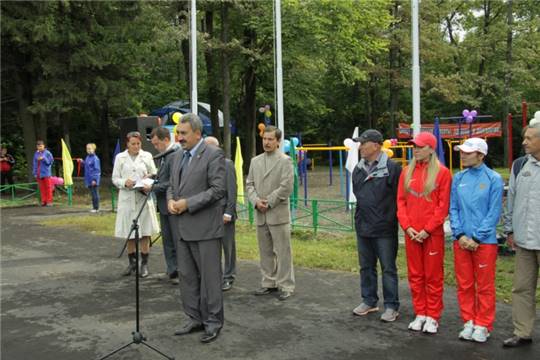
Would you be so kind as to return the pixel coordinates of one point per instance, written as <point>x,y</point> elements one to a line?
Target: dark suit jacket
<point>203,186</point>
<point>163,177</point>
<point>230,194</point>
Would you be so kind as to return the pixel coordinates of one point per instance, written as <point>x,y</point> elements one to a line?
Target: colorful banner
<point>455,131</point>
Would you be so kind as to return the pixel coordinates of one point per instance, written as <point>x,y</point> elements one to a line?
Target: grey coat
<point>203,186</point>
<point>163,177</point>
<point>523,205</point>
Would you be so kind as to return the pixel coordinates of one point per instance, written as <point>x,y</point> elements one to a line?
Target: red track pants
<point>46,190</point>
<point>425,268</point>
<point>475,276</point>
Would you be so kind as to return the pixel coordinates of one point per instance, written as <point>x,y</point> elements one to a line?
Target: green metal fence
<point>327,215</point>
<point>22,192</point>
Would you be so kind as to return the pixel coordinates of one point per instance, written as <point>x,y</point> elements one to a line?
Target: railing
<point>328,215</point>
<point>23,191</point>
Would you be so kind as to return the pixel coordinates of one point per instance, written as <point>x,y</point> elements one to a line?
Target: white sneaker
<point>480,334</point>
<point>418,323</point>
<point>430,326</point>
<point>94,211</point>
<point>466,333</point>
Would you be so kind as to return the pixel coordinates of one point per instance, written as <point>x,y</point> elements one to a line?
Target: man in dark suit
<point>161,139</point>
<point>229,219</point>
<point>194,198</point>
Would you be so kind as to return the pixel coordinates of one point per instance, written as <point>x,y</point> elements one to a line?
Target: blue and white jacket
<point>476,204</point>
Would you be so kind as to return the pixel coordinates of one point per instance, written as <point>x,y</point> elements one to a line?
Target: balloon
<point>465,113</point>
<point>388,152</point>
<point>267,113</point>
<point>267,107</point>
<point>469,119</point>
<point>261,127</point>
<point>535,119</point>
<point>473,113</point>
<point>286,146</point>
<point>176,117</point>
<point>295,141</point>
<point>386,144</point>
<point>261,110</point>
<point>350,144</point>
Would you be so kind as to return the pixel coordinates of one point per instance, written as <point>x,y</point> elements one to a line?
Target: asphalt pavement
<point>62,298</point>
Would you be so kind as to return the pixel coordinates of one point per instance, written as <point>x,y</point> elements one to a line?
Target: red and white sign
<point>455,131</point>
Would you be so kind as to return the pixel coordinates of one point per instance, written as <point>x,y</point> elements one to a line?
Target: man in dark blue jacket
<point>375,183</point>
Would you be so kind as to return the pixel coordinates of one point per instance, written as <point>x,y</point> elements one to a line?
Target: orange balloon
<point>261,127</point>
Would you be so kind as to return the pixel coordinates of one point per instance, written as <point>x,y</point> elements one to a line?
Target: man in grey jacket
<point>229,220</point>
<point>161,139</point>
<point>522,228</point>
<point>269,185</point>
<point>194,198</point>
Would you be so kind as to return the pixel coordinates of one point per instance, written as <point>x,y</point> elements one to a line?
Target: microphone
<point>165,153</point>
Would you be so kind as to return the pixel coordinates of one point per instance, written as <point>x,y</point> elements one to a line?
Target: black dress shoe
<point>516,341</point>
<point>189,328</point>
<point>284,295</point>
<point>264,291</point>
<point>210,336</point>
<point>227,285</point>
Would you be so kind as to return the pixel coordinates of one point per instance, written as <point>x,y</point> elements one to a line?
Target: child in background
<point>92,175</point>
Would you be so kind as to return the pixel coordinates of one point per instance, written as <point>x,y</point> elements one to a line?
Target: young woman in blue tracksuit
<point>475,209</point>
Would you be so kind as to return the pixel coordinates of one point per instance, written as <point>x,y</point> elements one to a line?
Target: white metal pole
<point>415,68</point>
<point>279,72</point>
<point>193,43</point>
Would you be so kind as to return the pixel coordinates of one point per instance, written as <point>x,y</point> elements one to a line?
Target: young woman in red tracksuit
<point>423,201</point>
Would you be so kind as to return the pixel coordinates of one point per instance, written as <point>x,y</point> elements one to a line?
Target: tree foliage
<point>71,68</point>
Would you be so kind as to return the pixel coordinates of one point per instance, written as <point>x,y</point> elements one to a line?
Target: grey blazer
<point>274,184</point>
<point>230,195</point>
<point>203,186</point>
<point>163,176</point>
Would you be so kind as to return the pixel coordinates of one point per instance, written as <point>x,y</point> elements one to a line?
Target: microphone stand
<point>137,336</point>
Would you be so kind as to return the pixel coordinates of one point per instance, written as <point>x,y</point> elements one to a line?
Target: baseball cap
<point>370,135</point>
<point>474,144</point>
<point>425,139</point>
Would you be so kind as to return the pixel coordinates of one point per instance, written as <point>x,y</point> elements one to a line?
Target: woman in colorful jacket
<point>92,175</point>
<point>423,199</point>
<point>41,169</point>
<point>475,209</point>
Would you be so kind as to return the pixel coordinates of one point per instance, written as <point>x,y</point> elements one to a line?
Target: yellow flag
<point>67,165</point>
<point>238,165</point>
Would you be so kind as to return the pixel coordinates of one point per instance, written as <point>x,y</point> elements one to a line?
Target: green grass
<point>327,251</point>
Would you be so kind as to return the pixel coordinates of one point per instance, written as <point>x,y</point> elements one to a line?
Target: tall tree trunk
<point>507,78</point>
<point>226,78</point>
<point>250,88</point>
<point>65,130</point>
<point>41,126</point>
<point>213,89</point>
<point>249,101</point>
<point>485,30</point>
<point>394,63</point>
<point>23,96</point>
<point>183,7</point>
<point>106,163</point>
